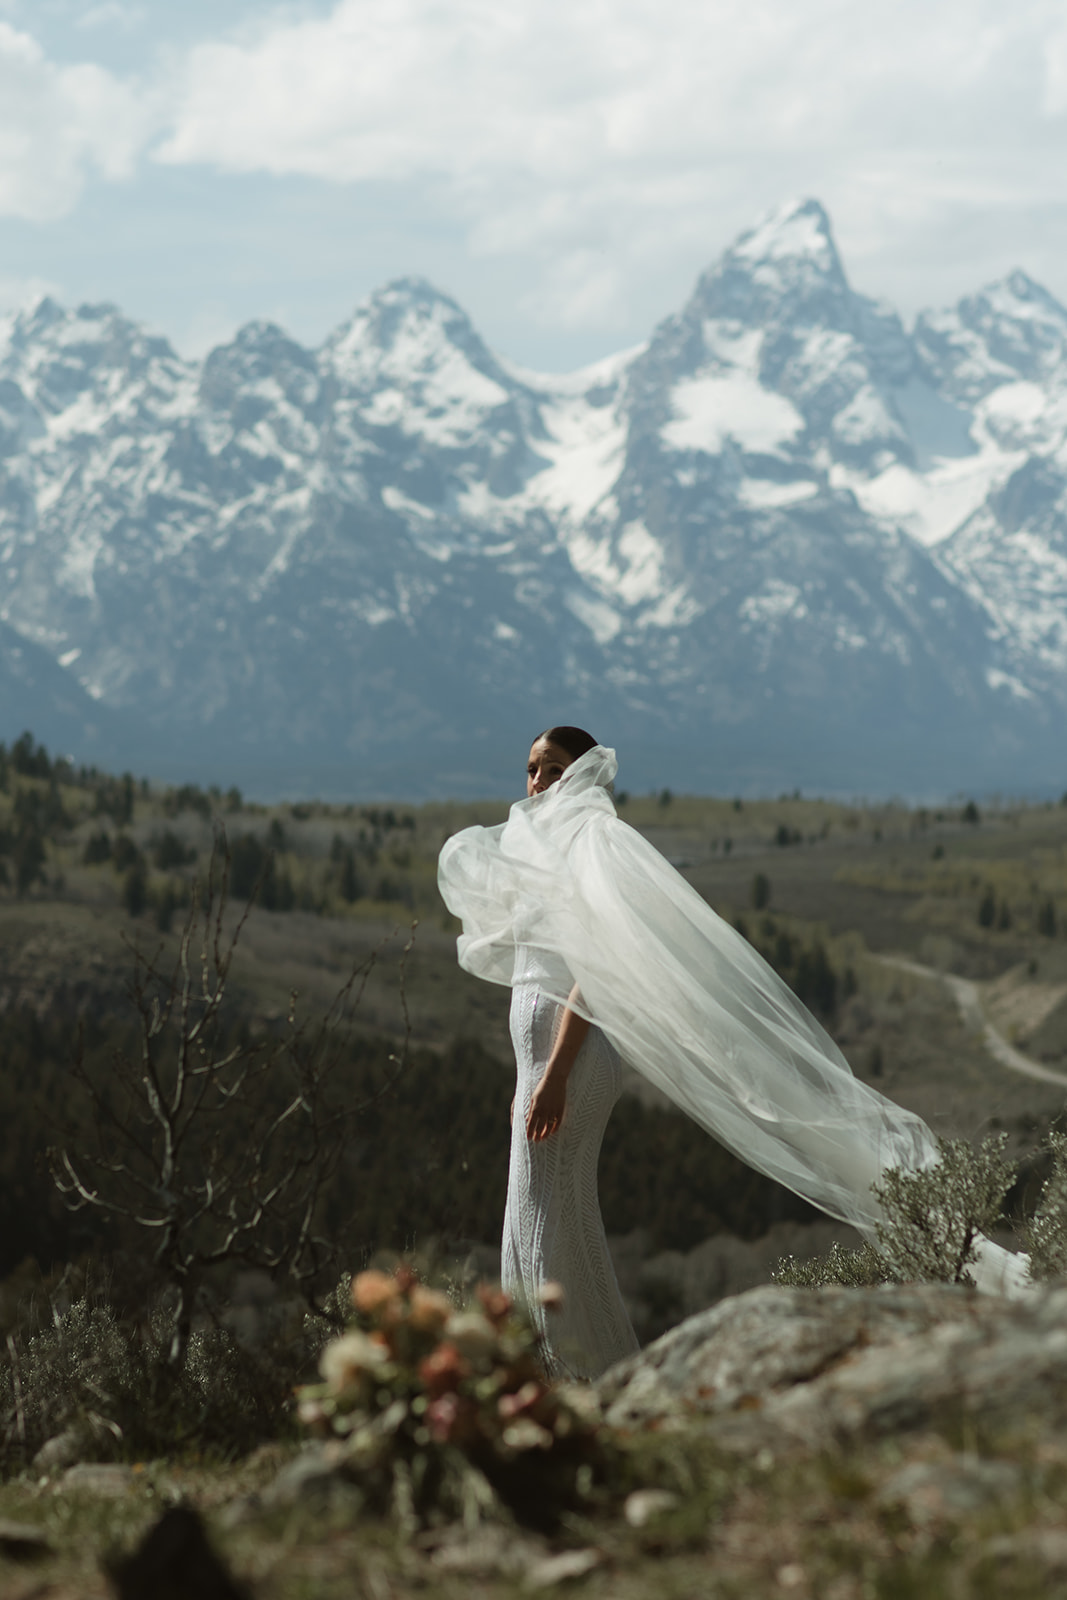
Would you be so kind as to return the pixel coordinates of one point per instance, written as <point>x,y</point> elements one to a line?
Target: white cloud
<point>583,131</point>
<point>56,124</point>
<point>112,14</point>
<point>608,147</point>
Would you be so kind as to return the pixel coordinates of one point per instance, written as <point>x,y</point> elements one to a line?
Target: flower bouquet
<point>439,1414</point>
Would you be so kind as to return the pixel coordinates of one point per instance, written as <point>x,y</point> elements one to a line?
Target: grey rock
<point>1047,1547</point>
<point>59,1452</point>
<point>312,1475</point>
<point>807,1368</point>
<point>105,1480</point>
<point>933,1490</point>
<point>22,1541</point>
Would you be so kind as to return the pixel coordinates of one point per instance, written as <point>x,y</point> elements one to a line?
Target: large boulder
<point>804,1368</point>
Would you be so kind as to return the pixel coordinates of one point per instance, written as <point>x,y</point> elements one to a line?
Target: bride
<point>611,954</point>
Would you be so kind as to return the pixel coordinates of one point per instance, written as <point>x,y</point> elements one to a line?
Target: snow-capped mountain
<point>785,542</point>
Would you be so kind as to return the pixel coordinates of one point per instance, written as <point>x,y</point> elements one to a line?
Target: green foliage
<point>1046,919</point>
<point>934,1216</point>
<point>189,797</point>
<point>987,909</point>
<point>135,889</point>
<point>255,874</point>
<point>971,814</point>
<point>165,902</point>
<point>97,848</point>
<point>28,759</point>
<point>1047,1230</point>
<point>708,1190</point>
<point>805,966</point>
<point>932,1219</point>
<point>115,798</point>
<point>28,856</point>
<point>124,853</point>
<point>856,1269</point>
<point>104,1379</point>
<point>760,893</point>
<point>168,852</point>
<point>349,886</point>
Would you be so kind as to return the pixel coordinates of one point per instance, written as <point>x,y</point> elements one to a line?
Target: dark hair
<point>575,741</point>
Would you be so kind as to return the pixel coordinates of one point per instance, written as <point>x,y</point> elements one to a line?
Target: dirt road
<point>967,997</point>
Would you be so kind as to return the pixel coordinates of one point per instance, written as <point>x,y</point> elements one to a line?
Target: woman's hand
<point>547,1105</point>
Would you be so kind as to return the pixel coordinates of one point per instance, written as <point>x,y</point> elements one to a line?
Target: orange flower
<point>373,1291</point>
<point>443,1369</point>
<point>429,1310</point>
<point>495,1303</point>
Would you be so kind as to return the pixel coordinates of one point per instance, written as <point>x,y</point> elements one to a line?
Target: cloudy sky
<point>565,168</point>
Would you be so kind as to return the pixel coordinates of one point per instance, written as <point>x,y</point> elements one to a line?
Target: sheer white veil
<point>566,885</point>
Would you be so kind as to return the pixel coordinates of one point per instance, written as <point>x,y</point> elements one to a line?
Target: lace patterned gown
<point>553,1232</point>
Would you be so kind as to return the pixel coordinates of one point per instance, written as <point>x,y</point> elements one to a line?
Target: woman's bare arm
<point>549,1099</point>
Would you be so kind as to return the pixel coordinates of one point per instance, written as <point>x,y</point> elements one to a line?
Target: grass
<point>863,879</point>
<point>826,1526</point>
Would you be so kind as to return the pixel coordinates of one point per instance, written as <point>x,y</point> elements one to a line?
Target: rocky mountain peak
<point>1012,329</point>
<point>717,526</point>
<point>786,268</point>
<point>408,328</point>
<point>263,357</point>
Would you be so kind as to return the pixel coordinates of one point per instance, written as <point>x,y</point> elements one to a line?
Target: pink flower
<point>524,1399</point>
<point>450,1418</point>
<point>443,1369</point>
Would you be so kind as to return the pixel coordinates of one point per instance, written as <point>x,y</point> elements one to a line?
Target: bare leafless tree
<point>221,1146</point>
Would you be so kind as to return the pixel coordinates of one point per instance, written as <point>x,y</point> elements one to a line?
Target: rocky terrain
<point>838,1443</point>
<point>787,541</point>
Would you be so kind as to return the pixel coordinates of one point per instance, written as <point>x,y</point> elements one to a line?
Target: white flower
<point>471,1334</point>
<point>345,1360</point>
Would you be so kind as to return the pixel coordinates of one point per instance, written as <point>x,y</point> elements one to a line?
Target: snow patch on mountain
<point>584,445</point>
<point>711,411</point>
<point>931,505</point>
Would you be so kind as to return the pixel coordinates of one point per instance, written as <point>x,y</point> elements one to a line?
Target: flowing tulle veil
<point>681,995</point>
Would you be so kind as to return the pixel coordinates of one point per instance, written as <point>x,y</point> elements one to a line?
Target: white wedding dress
<point>553,1232</point>
<point>564,892</point>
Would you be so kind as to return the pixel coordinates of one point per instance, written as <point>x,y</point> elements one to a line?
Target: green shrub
<point>934,1216</point>
<point>932,1219</point>
<point>1046,1233</point>
<point>105,1380</point>
<point>856,1269</point>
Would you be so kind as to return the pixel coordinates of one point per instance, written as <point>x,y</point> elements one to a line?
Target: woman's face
<point>546,766</point>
